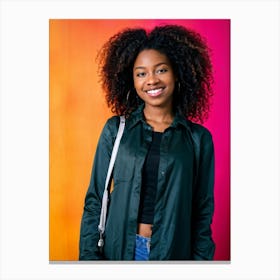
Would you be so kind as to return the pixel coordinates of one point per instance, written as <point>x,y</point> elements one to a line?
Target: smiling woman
<point>162,201</point>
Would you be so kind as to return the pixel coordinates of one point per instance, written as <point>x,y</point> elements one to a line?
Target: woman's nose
<point>152,79</point>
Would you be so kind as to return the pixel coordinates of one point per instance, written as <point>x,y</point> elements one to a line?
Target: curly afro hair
<point>188,54</point>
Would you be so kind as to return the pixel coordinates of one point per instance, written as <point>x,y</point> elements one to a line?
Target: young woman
<point>161,202</point>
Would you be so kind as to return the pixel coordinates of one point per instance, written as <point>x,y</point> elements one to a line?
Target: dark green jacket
<point>184,201</point>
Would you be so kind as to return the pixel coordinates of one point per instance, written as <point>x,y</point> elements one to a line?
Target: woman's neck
<point>158,118</point>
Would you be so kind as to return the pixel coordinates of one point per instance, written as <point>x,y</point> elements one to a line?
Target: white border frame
<point>254,143</point>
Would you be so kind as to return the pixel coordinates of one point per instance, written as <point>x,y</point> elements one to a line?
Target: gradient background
<point>78,113</point>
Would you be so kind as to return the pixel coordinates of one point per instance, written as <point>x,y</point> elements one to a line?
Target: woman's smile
<point>155,92</point>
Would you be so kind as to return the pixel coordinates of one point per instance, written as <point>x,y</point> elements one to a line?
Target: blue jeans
<point>142,248</point>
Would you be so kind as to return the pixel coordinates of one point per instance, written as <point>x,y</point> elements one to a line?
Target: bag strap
<point>103,214</point>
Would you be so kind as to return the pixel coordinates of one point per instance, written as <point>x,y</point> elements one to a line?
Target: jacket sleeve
<point>89,234</point>
<point>203,200</point>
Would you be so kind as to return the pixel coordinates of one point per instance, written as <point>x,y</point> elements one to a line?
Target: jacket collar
<point>138,116</point>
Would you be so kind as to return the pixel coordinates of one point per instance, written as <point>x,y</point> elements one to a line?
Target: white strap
<point>103,213</point>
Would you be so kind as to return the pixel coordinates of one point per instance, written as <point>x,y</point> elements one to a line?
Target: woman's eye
<point>140,75</point>
<point>162,70</point>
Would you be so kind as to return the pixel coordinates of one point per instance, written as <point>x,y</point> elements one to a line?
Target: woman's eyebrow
<point>143,67</point>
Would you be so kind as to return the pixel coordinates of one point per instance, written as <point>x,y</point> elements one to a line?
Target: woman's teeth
<point>154,92</point>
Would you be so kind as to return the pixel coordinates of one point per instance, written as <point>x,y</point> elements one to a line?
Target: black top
<point>149,182</point>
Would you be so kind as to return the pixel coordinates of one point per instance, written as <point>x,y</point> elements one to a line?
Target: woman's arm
<point>89,234</point>
<point>203,202</point>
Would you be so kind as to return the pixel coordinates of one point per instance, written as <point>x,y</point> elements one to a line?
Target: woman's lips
<point>154,92</point>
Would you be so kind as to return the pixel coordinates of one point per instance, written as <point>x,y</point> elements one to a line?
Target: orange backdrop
<point>78,113</point>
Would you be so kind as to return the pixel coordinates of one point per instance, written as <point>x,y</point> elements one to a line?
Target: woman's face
<point>154,79</point>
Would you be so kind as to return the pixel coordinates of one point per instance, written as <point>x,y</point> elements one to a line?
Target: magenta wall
<point>217,33</point>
